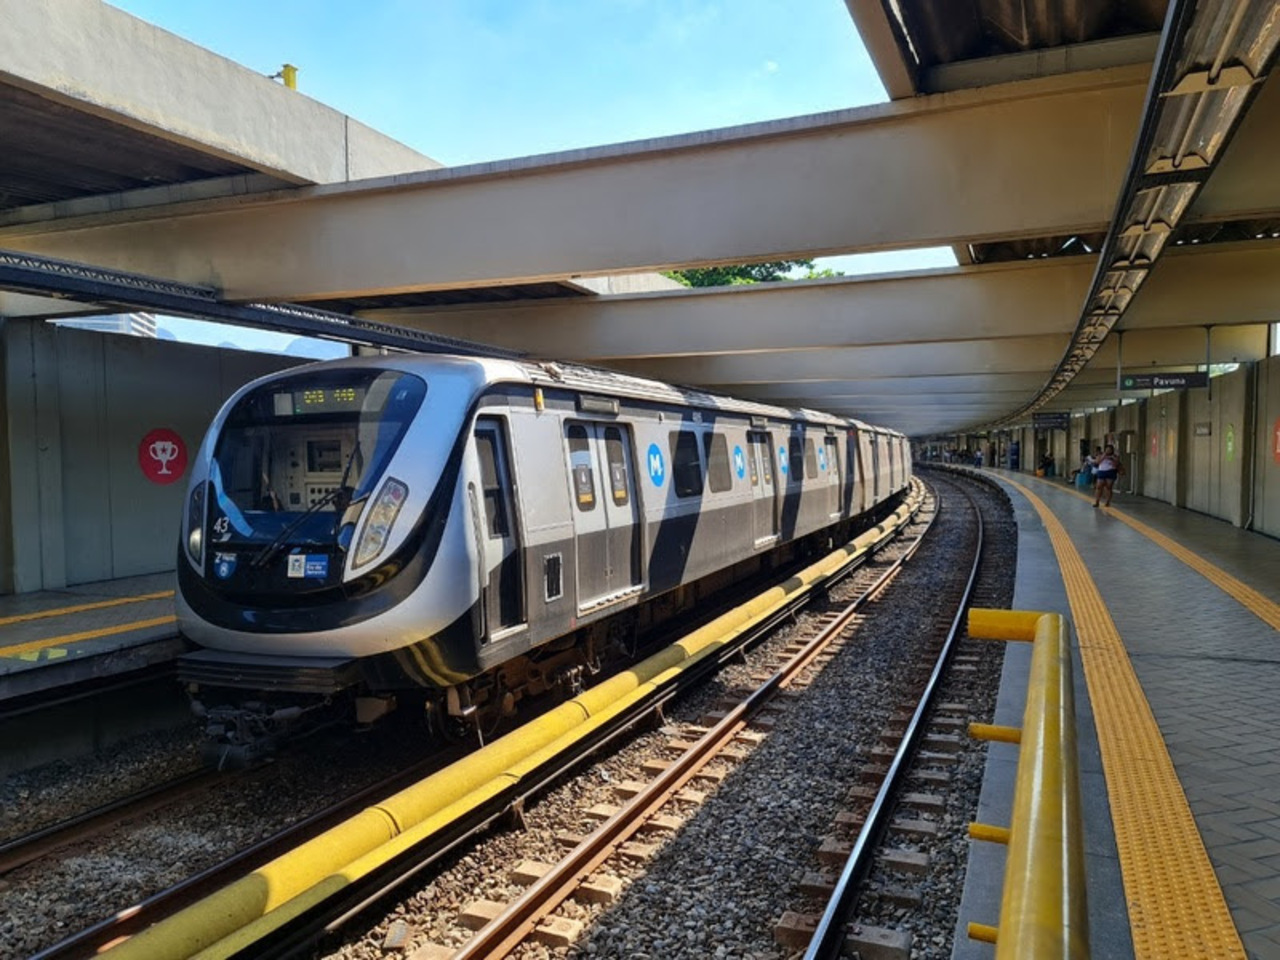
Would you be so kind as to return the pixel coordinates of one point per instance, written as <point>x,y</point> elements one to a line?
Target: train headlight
<point>383,513</point>
<point>195,523</point>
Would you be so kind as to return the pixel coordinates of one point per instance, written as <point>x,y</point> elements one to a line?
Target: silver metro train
<point>466,533</point>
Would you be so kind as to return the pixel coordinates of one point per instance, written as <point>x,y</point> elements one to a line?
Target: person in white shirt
<point>1105,471</point>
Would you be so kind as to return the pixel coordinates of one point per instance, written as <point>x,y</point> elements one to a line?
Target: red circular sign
<point>162,456</point>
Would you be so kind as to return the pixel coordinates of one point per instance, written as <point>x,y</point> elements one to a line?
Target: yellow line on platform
<point>81,607</point>
<point>1176,907</point>
<point>1262,607</point>
<point>18,649</point>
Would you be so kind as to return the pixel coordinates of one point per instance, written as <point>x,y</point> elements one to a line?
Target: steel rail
<point>40,701</point>
<point>94,939</point>
<point>829,935</point>
<point>513,925</point>
<point>32,846</point>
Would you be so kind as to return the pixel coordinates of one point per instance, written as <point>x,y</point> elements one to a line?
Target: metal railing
<point>1043,909</point>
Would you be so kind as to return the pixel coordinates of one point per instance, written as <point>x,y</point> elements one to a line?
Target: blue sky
<point>473,80</point>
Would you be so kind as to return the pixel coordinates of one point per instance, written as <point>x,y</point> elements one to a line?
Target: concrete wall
<point>1217,442</point>
<point>1213,451</point>
<point>1161,445</point>
<point>1129,441</point>
<point>75,506</point>
<point>1266,500</point>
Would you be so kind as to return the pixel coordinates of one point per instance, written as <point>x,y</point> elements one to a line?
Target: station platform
<point>1176,656</point>
<point>53,639</point>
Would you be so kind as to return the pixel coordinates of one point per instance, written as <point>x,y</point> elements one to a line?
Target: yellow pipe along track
<point>243,912</point>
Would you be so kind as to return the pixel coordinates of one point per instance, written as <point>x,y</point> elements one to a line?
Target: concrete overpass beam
<point>1012,355</point>
<point>1229,283</point>
<point>1023,298</point>
<point>1043,157</point>
<point>95,58</point>
<point>811,393</point>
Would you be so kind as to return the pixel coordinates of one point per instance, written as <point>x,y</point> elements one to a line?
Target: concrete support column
<point>32,542</point>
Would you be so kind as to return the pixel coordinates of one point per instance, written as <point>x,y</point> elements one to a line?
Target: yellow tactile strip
<point>1176,907</point>
<point>1265,609</point>
<point>82,607</point>
<point>31,647</point>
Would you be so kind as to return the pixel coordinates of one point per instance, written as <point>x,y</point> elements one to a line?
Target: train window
<point>296,451</point>
<point>584,476</point>
<point>619,484</point>
<point>686,467</point>
<point>552,576</point>
<point>810,460</point>
<point>795,457</point>
<point>719,476</point>
<point>495,504</point>
<point>765,442</point>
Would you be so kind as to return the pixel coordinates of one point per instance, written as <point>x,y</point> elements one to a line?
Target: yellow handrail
<point>1043,910</point>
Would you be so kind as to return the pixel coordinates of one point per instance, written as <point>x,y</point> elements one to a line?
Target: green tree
<point>744,273</point>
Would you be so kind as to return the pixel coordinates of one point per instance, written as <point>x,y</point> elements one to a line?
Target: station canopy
<point>1104,172</point>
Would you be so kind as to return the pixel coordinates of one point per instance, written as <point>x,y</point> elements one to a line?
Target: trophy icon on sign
<point>163,451</point>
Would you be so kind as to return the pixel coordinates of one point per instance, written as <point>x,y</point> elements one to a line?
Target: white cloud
<point>771,66</point>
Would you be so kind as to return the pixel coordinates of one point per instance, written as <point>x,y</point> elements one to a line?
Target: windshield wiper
<point>266,553</point>
<point>341,494</point>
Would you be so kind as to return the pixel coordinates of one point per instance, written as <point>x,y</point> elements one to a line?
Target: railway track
<point>296,938</point>
<point>100,935</point>
<point>703,752</point>
<point>40,843</point>
<point>550,913</point>
<point>528,915</point>
<point>882,795</point>
<point>128,921</point>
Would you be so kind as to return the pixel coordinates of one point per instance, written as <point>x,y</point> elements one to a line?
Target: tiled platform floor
<point>1210,670</point>
<point>71,645</point>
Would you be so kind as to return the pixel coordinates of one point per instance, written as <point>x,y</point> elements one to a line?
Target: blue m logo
<point>657,469</point>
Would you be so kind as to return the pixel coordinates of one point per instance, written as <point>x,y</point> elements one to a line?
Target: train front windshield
<point>298,458</point>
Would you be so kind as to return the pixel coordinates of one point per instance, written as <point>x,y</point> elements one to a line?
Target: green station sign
<point>1162,381</point>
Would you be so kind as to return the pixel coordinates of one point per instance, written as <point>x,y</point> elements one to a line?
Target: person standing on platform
<point>1105,471</point>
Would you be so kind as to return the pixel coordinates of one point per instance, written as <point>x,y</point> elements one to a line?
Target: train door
<point>877,487</point>
<point>613,449</point>
<point>855,494</point>
<point>831,461</point>
<point>500,544</point>
<point>764,502</point>
<point>604,515</point>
